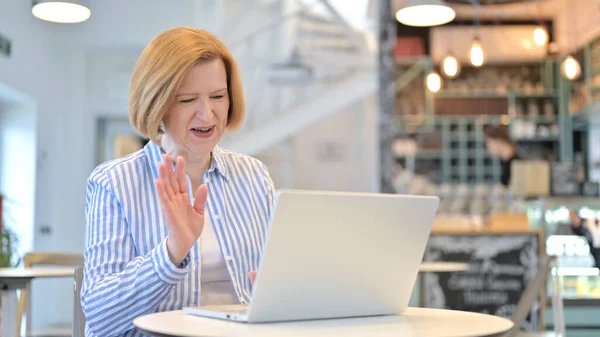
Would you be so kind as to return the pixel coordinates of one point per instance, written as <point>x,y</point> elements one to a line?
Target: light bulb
<point>540,36</point>
<point>570,68</point>
<point>425,13</point>
<point>450,66</point>
<point>60,11</point>
<point>476,54</point>
<point>434,81</point>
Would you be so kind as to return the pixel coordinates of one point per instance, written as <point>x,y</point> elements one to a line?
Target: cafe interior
<point>493,106</point>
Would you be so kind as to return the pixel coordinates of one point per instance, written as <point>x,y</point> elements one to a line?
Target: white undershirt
<point>216,288</point>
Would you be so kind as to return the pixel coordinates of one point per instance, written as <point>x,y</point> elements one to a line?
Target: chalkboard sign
<point>564,179</point>
<point>590,189</point>
<point>501,266</point>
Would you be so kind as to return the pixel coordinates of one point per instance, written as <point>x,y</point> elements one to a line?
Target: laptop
<point>336,255</point>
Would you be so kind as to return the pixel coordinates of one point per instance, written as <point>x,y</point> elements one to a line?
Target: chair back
<point>535,287</point>
<point>33,259</point>
<point>78,316</point>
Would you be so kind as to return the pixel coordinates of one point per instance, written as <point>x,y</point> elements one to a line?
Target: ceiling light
<point>70,11</point>
<point>571,68</point>
<point>434,81</point>
<point>424,13</point>
<point>450,66</point>
<point>540,36</point>
<point>476,55</point>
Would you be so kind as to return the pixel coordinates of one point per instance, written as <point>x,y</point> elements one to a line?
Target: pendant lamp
<point>425,13</point>
<point>66,11</point>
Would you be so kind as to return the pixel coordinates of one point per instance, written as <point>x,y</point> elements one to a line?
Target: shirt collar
<point>154,153</point>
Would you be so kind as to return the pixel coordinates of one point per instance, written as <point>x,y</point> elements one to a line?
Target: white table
<point>13,279</point>
<point>415,322</point>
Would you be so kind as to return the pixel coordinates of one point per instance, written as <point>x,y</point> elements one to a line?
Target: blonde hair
<point>159,72</point>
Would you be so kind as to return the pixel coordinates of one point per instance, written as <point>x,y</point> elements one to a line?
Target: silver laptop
<point>334,255</point>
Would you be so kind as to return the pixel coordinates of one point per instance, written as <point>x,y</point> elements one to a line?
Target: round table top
<point>415,322</point>
<point>20,273</point>
<point>442,267</point>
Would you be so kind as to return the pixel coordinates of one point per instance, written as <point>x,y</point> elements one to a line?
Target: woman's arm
<point>579,230</point>
<point>118,284</point>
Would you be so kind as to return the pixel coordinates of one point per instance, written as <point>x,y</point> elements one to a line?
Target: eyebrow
<point>219,90</point>
<point>195,94</point>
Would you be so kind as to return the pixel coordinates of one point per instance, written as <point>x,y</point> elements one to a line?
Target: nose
<point>204,109</point>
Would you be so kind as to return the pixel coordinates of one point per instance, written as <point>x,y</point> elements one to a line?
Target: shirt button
<point>228,258</point>
<point>242,300</point>
<point>216,217</point>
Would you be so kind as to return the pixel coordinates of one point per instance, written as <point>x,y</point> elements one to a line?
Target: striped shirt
<point>128,272</point>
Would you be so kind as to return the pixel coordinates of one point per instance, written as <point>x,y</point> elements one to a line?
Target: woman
<point>587,229</point>
<point>500,146</point>
<point>151,244</point>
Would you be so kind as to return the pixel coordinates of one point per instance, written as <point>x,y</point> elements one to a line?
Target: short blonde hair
<point>161,68</point>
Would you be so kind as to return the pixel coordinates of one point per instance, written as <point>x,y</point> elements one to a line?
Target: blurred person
<point>587,229</point>
<point>499,145</point>
<point>181,222</point>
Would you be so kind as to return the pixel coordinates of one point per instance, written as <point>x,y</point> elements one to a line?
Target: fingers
<point>165,200</point>
<point>252,275</point>
<point>165,181</point>
<point>170,173</point>
<point>180,174</point>
<point>200,199</point>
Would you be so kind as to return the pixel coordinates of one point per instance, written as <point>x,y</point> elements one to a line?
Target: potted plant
<point>8,241</point>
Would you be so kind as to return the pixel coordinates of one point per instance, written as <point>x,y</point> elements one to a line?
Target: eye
<point>218,97</point>
<point>187,100</point>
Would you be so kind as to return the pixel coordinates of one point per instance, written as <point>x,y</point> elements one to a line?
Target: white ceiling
<point>118,24</point>
<point>131,24</point>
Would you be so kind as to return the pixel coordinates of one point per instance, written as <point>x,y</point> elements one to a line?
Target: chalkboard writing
<point>500,267</point>
<point>564,179</point>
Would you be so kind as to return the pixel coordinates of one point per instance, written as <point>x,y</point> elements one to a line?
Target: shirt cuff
<point>165,269</point>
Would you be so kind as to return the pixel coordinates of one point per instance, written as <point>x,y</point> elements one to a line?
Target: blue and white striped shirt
<point>128,272</point>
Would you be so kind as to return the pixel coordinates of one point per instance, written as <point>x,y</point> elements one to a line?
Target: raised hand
<point>184,220</point>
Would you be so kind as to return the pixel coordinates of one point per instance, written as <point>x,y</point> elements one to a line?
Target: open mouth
<point>203,132</point>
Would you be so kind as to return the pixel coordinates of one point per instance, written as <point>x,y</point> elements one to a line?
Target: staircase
<point>299,68</point>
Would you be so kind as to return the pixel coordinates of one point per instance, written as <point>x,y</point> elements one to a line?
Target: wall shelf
<point>424,154</point>
<point>538,139</point>
<point>472,95</point>
<point>538,120</point>
<point>547,94</point>
<point>459,117</point>
<point>486,94</point>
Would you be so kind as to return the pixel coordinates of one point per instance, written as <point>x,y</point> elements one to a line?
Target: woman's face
<point>499,149</point>
<point>197,119</point>
<point>494,147</point>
